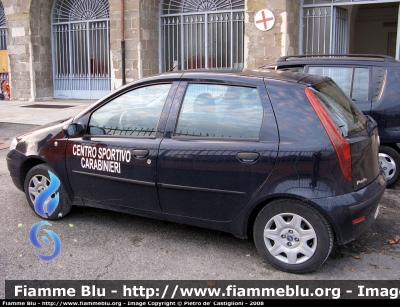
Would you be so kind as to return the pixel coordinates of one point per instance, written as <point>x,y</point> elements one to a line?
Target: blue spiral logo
<point>46,210</point>
<point>33,237</point>
<point>40,206</point>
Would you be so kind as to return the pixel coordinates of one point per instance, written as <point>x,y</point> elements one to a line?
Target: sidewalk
<point>40,112</point>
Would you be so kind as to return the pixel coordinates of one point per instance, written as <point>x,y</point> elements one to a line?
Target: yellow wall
<point>3,61</point>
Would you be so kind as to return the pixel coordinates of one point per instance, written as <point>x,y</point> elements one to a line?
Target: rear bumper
<point>352,214</point>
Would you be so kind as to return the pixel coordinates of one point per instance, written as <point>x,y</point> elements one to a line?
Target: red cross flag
<point>264,20</point>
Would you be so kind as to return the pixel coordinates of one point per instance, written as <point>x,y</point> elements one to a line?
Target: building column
<point>262,47</point>
<point>19,50</point>
<point>29,49</point>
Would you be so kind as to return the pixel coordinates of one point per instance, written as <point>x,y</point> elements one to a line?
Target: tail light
<point>342,147</point>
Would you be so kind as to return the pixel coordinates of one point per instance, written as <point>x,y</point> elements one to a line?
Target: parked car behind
<point>373,82</point>
<point>285,158</point>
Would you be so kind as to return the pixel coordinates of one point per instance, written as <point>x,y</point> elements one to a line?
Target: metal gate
<point>324,30</point>
<point>324,25</point>
<point>3,30</point>
<point>201,33</point>
<point>81,49</point>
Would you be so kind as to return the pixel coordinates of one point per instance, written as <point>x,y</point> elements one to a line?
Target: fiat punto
<point>285,158</point>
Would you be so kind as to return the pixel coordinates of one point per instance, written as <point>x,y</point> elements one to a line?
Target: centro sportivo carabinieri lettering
<point>101,158</point>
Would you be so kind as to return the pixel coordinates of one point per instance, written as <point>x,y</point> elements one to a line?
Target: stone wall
<point>141,39</point>
<point>132,40</point>
<point>29,49</point>
<point>40,40</point>
<point>149,40</point>
<point>116,28</point>
<point>265,46</point>
<point>18,46</point>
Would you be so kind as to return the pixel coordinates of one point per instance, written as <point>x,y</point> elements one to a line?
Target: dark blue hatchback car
<point>285,158</point>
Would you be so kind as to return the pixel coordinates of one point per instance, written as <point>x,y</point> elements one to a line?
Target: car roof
<point>203,73</point>
<point>335,58</point>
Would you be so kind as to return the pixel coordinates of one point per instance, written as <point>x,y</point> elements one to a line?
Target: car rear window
<point>343,111</point>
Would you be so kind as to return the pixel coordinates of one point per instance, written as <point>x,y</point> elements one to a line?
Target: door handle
<point>140,153</point>
<point>248,157</point>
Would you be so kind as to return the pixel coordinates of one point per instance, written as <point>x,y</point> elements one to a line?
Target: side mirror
<point>73,129</point>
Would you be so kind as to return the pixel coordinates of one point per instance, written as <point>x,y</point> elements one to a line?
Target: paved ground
<point>36,113</point>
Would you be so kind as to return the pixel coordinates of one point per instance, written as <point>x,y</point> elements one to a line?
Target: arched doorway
<point>81,48</point>
<point>198,34</point>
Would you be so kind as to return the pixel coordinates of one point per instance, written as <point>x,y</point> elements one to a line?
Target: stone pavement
<point>40,112</point>
<point>26,113</point>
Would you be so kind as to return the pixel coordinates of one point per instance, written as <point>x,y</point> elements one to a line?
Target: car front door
<point>213,158</point>
<point>114,163</point>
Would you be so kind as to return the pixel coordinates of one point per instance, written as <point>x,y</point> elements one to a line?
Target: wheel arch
<point>392,145</point>
<point>293,236</point>
<point>261,204</point>
<point>26,166</point>
<point>59,200</point>
<point>31,162</point>
<point>392,151</point>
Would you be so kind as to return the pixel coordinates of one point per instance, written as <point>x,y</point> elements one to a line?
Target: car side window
<point>360,84</point>
<point>353,81</point>
<point>220,111</point>
<point>135,113</point>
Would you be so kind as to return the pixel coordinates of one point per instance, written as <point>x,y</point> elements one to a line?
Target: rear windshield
<point>343,111</point>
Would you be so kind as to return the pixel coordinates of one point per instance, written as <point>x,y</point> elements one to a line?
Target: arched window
<point>201,34</point>
<point>81,48</point>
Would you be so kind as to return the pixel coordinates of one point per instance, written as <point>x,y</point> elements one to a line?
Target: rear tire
<point>37,181</point>
<point>293,236</point>
<point>389,160</point>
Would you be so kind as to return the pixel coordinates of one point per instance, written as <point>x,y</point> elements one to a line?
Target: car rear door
<point>210,165</point>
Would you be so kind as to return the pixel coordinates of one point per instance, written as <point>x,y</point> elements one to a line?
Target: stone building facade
<point>134,47</point>
<point>30,55</point>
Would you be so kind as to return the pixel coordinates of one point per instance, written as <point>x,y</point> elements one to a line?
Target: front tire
<point>293,236</point>
<point>389,160</point>
<point>37,181</point>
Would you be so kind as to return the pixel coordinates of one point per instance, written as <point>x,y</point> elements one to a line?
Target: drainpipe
<point>123,42</point>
